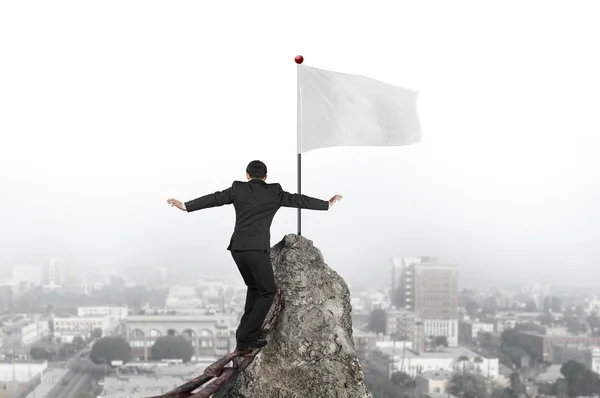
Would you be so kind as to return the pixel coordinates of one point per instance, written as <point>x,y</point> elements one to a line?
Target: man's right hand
<point>176,203</point>
<point>334,199</point>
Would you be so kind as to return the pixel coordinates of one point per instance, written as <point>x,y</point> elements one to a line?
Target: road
<point>78,380</point>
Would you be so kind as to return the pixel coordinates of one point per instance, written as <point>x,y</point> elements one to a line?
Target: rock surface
<point>310,353</point>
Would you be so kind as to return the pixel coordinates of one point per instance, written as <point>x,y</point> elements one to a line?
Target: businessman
<point>255,203</point>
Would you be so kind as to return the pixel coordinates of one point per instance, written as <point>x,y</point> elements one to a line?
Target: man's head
<point>256,170</point>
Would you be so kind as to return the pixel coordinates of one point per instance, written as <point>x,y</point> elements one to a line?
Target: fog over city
<point>106,115</point>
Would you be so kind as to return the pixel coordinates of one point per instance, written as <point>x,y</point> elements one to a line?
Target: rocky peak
<point>311,349</point>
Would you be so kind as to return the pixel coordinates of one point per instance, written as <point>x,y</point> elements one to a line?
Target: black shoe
<point>252,345</point>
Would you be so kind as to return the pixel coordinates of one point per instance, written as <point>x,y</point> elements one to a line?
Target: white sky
<point>107,109</point>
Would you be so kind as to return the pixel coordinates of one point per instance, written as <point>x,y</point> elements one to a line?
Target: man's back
<point>255,203</point>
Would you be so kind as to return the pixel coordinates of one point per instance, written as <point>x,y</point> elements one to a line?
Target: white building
<point>183,297</point>
<point>25,332</point>
<point>21,372</point>
<point>118,313</point>
<point>501,323</point>
<point>83,324</point>
<point>442,327</point>
<point>468,331</point>
<point>432,382</point>
<point>55,273</point>
<point>388,360</point>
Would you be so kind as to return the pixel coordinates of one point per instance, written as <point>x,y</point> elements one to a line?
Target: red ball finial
<point>299,59</point>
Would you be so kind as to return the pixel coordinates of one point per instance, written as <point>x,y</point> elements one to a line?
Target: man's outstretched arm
<point>287,199</point>
<point>218,198</point>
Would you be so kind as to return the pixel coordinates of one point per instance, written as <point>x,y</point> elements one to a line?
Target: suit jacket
<point>255,203</point>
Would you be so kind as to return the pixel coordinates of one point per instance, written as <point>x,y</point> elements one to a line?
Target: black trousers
<point>257,271</point>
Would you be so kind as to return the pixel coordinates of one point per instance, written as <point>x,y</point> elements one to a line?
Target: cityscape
<point>413,338</point>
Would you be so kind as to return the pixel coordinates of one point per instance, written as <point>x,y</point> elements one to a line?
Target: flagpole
<point>299,59</point>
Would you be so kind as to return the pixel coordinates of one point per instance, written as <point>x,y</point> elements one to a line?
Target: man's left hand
<point>176,203</point>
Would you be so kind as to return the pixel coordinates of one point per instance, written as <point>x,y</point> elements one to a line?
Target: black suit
<point>255,203</point>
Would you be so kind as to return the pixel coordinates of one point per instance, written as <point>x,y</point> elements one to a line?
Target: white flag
<point>338,109</point>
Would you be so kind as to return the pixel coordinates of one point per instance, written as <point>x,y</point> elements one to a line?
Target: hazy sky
<point>107,109</point>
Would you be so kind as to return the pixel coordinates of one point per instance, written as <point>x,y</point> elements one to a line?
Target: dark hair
<point>256,169</point>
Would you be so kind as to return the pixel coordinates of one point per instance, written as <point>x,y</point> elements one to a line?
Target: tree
<point>78,342</point>
<point>468,385</point>
<point>515,354</point>
<point>473,309</point>
<point>489,305</point>
<point>108,349</point>
<point>461,361</point>
<point>546,319</point>
<point>516,389</point>
<point>594,322</point>
<point>506,360</point>
<point>403,380</point>
<point>377,321</point>
<point>561,388</point>
<point>509,337</point>
<point>440,341</point>
<point>478,361</point>
<point>172,347</point>
<point>39,353</point>
<point>383,387</point>
<point>580,381</point>
<point>96,333</point>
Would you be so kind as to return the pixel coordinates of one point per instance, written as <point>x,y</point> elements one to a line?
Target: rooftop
<point>440,395</point>
<point>453,353</point>
<point>356,332</point>
<point>580,347</point>
<point>550,375</point>
<point>140,386</point>
<point>177,318</point>
<point>151,379</point>
<point>436,375</point>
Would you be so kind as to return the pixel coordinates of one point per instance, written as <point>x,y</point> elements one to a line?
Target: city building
<point>430,289</point>
<point>402,289</point>
<point>21,371</point>
<point>24,332</point>
<point>542,345</point>
<point>84,324</point>
<point>432,382</point>
<point>503,323</point>
<point>118,313</point>
<point>436,299</point>
<point>386,360</point>
<point>468,330</point>
<point>364,343</point>
<point>538,293</point>
<point>405,325</point>
<point>54,275</point>
<point>590,357</point>
<point>149,379</point>
<point>210,335</point>
<point>181,296</point>
<point>491,340</point>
